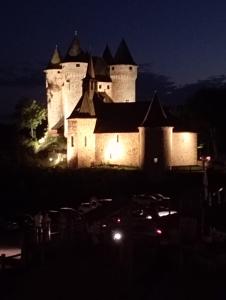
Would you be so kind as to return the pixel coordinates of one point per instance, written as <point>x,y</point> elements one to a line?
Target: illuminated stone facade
<point>184,150</point>
<point>94,100</point>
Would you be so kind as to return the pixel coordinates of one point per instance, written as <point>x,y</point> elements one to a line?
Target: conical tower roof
<point>75,53</point>
<point>123,55</point>
<point>107,56</point>
<point>90,73</point>
<point>55,60</point>
<point>155,116</point>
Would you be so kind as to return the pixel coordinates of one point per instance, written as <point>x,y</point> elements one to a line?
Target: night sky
<point>185,40</point>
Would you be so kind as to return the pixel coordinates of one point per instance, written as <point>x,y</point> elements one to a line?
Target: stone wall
<point>106,87</point>
<point>86,142</point>
<point>73,75</point>
<point>117,149</point>
<point>184,149</point>
<point>54,97</point>
<point>123,83</point>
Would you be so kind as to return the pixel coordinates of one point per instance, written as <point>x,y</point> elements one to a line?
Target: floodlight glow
<point>114,151</point>
<point>158,231</point>
<point>149,217</point>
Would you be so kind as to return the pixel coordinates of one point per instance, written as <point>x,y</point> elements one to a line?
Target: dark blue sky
<point>185,40</point>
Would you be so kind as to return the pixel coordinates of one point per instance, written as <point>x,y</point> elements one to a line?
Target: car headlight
<point>117,236</point>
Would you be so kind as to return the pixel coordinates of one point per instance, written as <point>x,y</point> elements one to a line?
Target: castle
<point>92,101</point>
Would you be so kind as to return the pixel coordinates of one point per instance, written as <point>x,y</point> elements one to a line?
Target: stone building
<point>92,101</point>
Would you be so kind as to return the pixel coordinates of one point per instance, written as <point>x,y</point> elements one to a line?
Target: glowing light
<point>164,213</point>
<point>114,151</point>
<point>42,140</point>
<point>50,159</point>
<point>148,217</point>
<point>104,225</point>
<point>117,236</point>
<point>186,137</point>
<point>118,220</point>
<point>159,231</point>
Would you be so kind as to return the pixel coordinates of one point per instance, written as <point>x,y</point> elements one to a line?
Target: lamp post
<point>205,160</point>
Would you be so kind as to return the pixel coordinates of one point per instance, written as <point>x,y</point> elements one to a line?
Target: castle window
<point>72,141</point>
<point>85,141</point>
<point>112,68</point>
<point>131,68</point>
<point>117,138</point>
<point>108,86</point>
<point>100,86</point>
<point>77,65</point>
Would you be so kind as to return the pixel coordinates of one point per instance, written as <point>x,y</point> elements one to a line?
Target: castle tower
<point>156,138</point>
<point>74,68</point>
<point>81,124</point>
<point>123,73</point>
<point>53,90</point>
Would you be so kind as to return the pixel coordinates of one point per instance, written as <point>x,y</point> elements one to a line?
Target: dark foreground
<point>80,270</point>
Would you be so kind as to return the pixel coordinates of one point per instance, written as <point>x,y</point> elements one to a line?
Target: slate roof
<point>59,124</point>
<point>120,117</point>
<point>84,108</point>
<point>101,69</point>
<point>75,53</point>
<point>155,115</point>
<point>123,55</point>
<point>90,73</point>
<point>107,56</point>
<point>55,60</point>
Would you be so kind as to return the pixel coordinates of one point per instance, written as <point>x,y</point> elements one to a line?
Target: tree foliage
<point>30,114</point>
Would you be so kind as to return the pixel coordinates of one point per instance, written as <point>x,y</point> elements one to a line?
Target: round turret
<point>54,90</point>
<point>123,73</point>
<point>74,67</point>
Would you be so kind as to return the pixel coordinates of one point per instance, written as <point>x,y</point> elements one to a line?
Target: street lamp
<point>205,161</point>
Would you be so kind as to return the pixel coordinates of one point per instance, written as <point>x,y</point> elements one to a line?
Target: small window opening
<point>77,65</point>
<point>100,86</point>
<point>117,138</point>
<point>72,141</point>
<point>112,68</point>
<point>85,141</point>
<point>108,87</point>
<point>131,68</point>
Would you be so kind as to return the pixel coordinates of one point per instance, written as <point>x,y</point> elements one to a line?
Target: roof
<point>75,53</point>
<point>107,56</point>
<point>123,55</point>
<point>90,69</point>
<point>84,108</point>
<point>101,69</point>
<point>55,60</point>
<point>155,115</point>
<point>119,117</point>
<point>59,124</point>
